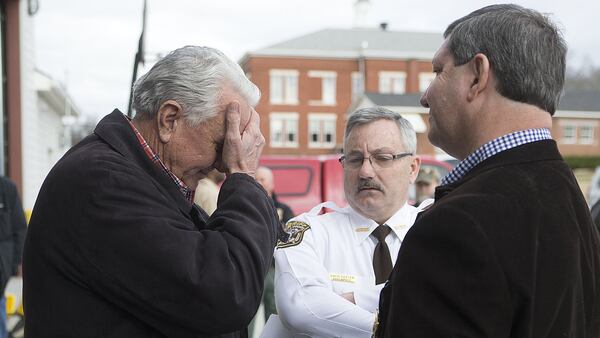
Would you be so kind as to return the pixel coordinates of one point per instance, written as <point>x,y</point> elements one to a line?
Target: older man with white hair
<point>116,246</point>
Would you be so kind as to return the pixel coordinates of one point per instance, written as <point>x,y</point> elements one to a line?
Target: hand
<point>349,296</point>
<point>241,150</point>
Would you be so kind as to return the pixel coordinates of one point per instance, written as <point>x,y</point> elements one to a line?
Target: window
<point>357,85</point>
<point>321,130</point>
<point>425,80</point>
<point>578,131</point>
<point>392,82</point>
<point>328,87</point>
<point>283,86</point>
<point>586,135</point>
<point>569,134</point>
<point>284,130</point>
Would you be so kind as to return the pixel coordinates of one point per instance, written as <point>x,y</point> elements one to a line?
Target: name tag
<point>362,229</point>
<point>336,277</point>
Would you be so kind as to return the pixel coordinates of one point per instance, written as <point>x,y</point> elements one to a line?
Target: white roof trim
<point>417,122</point>
<point>577,114</point>
<point>577,122</point>
<point>341,54</point>
<point>54,95</point>
<point>406,109</point>
<point>412,114</point>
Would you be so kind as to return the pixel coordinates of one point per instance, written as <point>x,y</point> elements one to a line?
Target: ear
<point>480,71</point>
<point>169,114</point>
<point>415,166</point>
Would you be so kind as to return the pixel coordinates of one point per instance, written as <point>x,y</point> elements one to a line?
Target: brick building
<point>576,125</point>
<point>309,83</point>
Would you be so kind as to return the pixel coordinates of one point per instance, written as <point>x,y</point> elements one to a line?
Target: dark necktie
<point>382,261</point>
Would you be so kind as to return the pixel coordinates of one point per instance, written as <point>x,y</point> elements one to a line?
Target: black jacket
<point>12,230</point>
<point>507,251</point>
<point>115,250</point>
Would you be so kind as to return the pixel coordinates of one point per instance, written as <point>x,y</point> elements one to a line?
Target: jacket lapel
<point>115,130</point>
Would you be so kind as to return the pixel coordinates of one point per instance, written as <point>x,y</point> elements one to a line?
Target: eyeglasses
<point>378,161</point>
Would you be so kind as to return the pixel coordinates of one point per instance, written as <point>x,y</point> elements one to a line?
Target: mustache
<point>368,184</point>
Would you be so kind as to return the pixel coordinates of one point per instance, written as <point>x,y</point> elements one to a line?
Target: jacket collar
<point>531,152</point>
<point>114,129</point>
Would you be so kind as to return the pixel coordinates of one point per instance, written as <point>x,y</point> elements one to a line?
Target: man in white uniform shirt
<point>330,270</point>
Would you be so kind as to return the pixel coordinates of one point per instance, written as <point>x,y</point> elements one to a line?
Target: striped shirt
<point>494,147</point>
<point>185,190</point>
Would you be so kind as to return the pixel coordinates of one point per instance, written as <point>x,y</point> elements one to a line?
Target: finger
<point>257,117</point>
<point>262,137</point>
<point>254,123</point>
<point>249,122</point>
<point>233,119</point>
<point>246,122</point>
<point>250,129</point>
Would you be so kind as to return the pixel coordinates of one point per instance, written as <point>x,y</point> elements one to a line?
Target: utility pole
<point>139,58</point>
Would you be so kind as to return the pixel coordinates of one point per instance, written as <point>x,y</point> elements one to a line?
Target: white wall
<point>41,127</point>
<point>42,152</point>
<point>28,102</point>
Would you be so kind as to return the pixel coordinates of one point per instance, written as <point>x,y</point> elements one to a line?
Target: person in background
<point>264,176</point>
<point>117,248</point>
<point>427,180</point>
<point>331,268</point>
<point>13,228</point>
<point>508,249</point>
<point>207,191</point>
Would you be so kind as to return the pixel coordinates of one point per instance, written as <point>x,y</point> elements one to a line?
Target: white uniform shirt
<point>334,256</point>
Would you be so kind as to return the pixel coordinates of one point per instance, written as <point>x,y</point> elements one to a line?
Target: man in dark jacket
<point>508,249</point>
<point>12,235</point>
<point>116,246</point>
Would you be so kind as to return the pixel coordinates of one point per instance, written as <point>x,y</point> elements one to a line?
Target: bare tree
<point>585,77</point>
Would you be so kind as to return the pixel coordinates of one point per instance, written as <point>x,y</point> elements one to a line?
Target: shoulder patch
<point>293,234</point>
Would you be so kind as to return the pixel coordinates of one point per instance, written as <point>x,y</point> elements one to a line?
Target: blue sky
<point>90,45</point>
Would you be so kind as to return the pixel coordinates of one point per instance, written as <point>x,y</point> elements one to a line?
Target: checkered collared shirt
<point>185,190</point>
<point>494,147</point>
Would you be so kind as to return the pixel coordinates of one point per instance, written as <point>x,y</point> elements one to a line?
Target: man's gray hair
<point>527,52</point>
<point>194,77</point>
<point>371,114</point>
